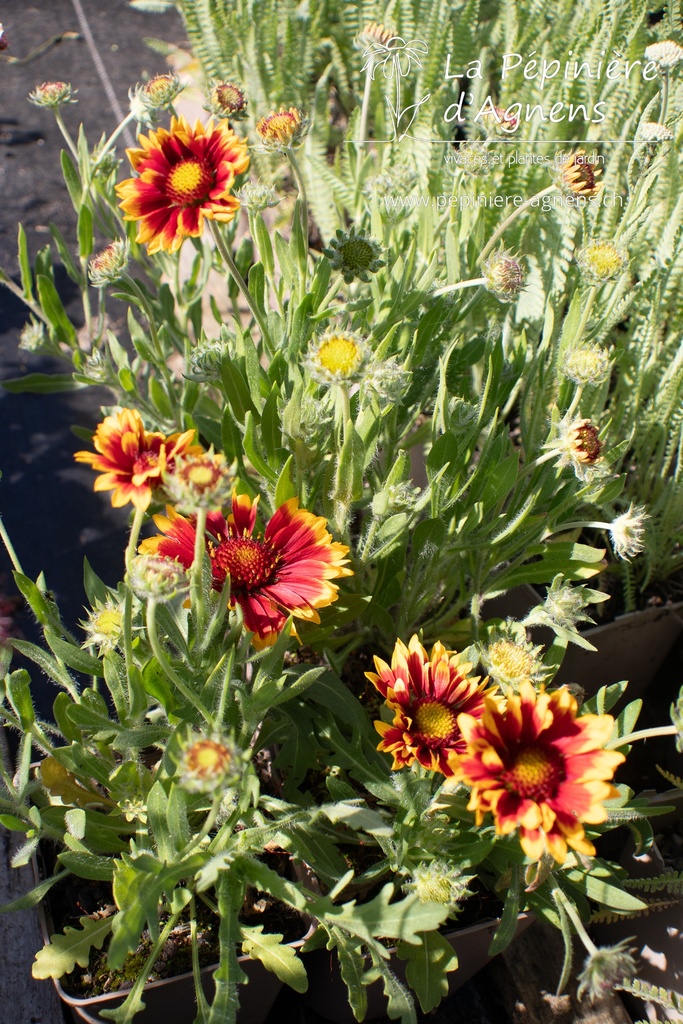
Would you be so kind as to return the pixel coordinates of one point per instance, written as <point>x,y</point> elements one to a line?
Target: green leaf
<point>72,180</point>
<point>87,865</point>
<point>63,952</point>
<point>41,383</point>
<point>275,956</point>
<point>159,398</point>
<point>428,967</point>
<point>33,898</point>
<point>53,309</point>
<point>85,235</point>
<point>285,488</point>
<point>73,656</point>
<point>404,919</point>
<point>602,891</point>
<point>95,589</point>
<point>24,264</point>
<point>505,931</point>
<point>13,824</point>
<point>18,686</point>
<point>575,561</point>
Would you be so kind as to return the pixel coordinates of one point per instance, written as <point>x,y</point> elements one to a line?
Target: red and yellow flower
<point>426,693</point>
<point>538,767</point>
<point>286,571</point>
<point>185,175</point>
<point>132,459</point>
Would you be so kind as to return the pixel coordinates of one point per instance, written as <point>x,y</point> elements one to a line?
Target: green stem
<point>301,188</point>
<point>112,138</point>
<point>460,284</point>
<point>585,314</point>
<point>365,108</point>
<point>508,221</point>
<point>573,915</point>
<point>10,548</point>
<point>65,132</point>
<point>128,603</point>
<point>346,409</point>
<point>16,290</point>
<point>665,97</point>
<point>642,734</point>
<point>197,589</point>
<point>239,281</point>
<point>168,670</point>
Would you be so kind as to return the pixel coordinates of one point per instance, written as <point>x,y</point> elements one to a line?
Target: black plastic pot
<point>327,994</point>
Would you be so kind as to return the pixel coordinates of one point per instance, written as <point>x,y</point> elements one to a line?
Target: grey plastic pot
<point>327,994</point>
<point>631,647</point>
<point>173,999</point>
<point>658,937</point>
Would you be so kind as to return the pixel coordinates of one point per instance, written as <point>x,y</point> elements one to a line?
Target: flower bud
<point>337,357</point>
<point>652,131</point>
<point>206,359</point>
<point>97,367</point>
<point>440,882</point>
<point>109,265</point>
<point>104,626</point>
<point>388,379</point>
<point>601,261</point>
<point>226,99</point>
<point>666,54</point>
<point>498,124</point>
<point>373,34</point>
<point>52,94</point>
<point>587,365</point>
<point>577,175</point>
<point>199,481</point>
<point>255,196</point>
<point>283,129</point>
<point>605,969</point>
<point>504,275</point>
<point>511,660</point>
<point>209,764</point>
<point>159,93</point>
<point>33,337</point>
<point>158,578</point>
<point>4,41</point>
<point>626,531</point>
<point>354,254</point>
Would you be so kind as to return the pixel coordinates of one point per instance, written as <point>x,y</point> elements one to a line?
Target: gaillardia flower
<point>283,129</point>
<point>539,768</point>
<point>504,275</point>
<point>226,99</point>
<point>426,693</point>
<point>286,571</point>
<point>132,459</point>
<point>577,175</point>
<point>185,175</point>
<point>601,261</point>
<point>337,357</point>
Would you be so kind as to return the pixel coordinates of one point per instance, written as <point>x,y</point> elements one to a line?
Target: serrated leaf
<point>275,956</point>
<point>63,952</point>
<point>379,918</point>
<point>428,967</point>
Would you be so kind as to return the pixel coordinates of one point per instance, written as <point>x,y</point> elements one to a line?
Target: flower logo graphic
<point>396,58</point>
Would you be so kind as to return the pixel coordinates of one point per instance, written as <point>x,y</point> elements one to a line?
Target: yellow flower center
<point>188,182</point>
<point>510,661</point>
<point>434,721</point>
<point>604,259</point>
<point>207,758</point>
<point>250,563</point>
<point>108,622</point>
<point>201,475</point>
<point>339,355</point>
<point>280,126</point>
<point>536,772</point>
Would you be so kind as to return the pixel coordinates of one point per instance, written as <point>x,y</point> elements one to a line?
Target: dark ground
<point>47,502</point>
